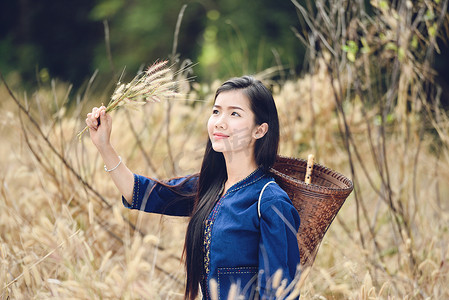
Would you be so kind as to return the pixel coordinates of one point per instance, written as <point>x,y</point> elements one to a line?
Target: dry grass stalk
<point>233,292</point>
<point>152,85</point>
<point>213,285</point>
<point>277,277</point>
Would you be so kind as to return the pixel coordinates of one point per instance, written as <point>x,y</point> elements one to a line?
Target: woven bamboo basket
<point>317,203</point>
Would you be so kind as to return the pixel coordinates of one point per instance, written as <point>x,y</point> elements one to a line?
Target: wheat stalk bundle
<point>151,85</point>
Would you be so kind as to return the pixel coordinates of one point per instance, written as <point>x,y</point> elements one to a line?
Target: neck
<point>238,166</point>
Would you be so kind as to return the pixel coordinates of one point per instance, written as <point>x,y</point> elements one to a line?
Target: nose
<point>220,122</point>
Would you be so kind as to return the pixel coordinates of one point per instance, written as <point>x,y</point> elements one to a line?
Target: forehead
<point>232,98</point>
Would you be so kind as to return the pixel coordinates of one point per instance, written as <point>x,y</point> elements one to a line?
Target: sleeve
<point>279,224</point>
<point>174,197</point>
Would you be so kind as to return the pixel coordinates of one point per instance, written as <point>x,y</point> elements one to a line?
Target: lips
<point>218,135</point>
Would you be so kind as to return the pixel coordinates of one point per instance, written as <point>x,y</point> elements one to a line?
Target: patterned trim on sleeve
<point>136,191</point>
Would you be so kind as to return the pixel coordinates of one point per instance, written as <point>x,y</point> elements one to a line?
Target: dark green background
<point>65,39</point>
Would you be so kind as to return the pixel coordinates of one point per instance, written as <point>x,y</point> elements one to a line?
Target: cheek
<point>210,126</point>
<point>243,131</point>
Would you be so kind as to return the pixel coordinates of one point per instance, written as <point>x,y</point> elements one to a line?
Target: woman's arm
<point>174,197</point>
<point>100,134</point>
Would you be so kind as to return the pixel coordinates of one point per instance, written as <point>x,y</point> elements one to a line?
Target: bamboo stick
<point>309,169</point>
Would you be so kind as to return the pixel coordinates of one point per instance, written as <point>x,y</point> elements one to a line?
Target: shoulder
<point>275,201</point>
<point>271,191</point>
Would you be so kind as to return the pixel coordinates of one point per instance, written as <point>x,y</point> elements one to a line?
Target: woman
<point>226,239</point>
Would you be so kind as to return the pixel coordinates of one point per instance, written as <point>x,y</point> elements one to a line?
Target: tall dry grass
<point>64,233</point>
<point>372,115</point>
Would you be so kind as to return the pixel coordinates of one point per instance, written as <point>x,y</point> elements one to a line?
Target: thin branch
<point>108,47</point>
<point>178,26</point>
<point>59,156</point>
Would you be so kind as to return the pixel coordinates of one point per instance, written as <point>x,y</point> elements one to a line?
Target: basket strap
<point>260,196</point>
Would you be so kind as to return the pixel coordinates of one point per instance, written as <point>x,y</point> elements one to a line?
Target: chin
<point>217,148</point>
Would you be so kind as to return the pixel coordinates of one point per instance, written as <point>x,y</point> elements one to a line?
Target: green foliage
<point>47,34</point>
<point>227,38</point>
<point>106,9</point>
<point>140,32</point>
<point>351,48</point>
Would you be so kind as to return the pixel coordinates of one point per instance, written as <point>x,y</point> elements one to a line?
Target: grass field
<point>65,235</point>
<point>366,105</point>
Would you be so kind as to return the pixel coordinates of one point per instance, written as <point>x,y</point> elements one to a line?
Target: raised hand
<point>100,126</point>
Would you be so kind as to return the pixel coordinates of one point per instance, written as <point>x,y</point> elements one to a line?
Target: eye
<point>215,112</point>
<point>236,114</point>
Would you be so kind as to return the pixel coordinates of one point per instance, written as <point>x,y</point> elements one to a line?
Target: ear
<point>260,131</point>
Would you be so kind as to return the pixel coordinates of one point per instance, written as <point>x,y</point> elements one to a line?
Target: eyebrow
<point>231,107</point>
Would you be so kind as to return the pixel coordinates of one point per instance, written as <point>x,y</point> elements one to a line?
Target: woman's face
<point>231,126</point>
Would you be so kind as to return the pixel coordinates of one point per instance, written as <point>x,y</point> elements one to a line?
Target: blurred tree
<point>66,39</point>
<point>142,31</point>
<point>226,37</point>
<point>253,35</point>
<point>55,36</point>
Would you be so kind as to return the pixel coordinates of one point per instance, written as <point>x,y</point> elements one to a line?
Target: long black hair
<point>213,173</point>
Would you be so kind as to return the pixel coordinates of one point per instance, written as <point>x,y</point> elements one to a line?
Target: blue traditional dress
<point>239,247</point>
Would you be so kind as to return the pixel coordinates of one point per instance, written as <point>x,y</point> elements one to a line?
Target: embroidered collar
<point>251,178</point>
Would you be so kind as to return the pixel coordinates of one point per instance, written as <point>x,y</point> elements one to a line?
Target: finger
<point>101,110</point>
<point>92,123</point>
<point>95,112</point>
<point>92,119</point>
<point>89,123</point>
<point>103,117</point>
